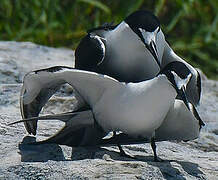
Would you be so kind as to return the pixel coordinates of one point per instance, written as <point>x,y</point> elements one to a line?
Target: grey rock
<point>16,59</point>
<point>196,159</point>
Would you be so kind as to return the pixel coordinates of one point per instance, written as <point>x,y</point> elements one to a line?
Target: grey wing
<point>33,108</point>
<point>40,85</point>
<point>180,123</point>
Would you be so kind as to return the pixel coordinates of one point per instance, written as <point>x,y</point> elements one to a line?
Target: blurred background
<point>190,26</point>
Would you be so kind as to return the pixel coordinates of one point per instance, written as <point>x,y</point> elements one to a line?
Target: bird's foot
<point>123,154</point>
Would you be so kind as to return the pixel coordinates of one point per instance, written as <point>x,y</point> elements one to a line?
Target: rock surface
<point>196,159</point>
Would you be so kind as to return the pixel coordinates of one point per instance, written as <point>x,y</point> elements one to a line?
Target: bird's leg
<point>153,145</point>
<point>122,152</point>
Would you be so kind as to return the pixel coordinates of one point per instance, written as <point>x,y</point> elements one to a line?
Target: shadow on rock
<point>42,153</point>
<point>191,168</point>
<point>170,169</point>
<point>39,153</point>
<point>106,154</point>
<point>170,172</point>
<point>167,170</point>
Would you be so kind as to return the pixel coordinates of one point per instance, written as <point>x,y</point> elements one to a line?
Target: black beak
<point>195,112</point>
<point>192,109</point>
<point>182,95</point>
<point>153,50</point>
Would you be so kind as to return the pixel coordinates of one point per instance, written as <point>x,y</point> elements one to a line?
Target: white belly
<point>135,110</point>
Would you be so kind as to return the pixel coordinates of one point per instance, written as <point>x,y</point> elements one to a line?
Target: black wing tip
<point>10,124</point>
<point>198,85</point>
<point>27,127</point>
<point>34,132</point>
<point>89,53</point>
<point>105,26</point>
<point>48,69</point>
<point>39,142</point>
<point>53,69</point>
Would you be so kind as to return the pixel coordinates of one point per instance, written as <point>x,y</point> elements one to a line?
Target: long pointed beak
<point>195,112</point>
<point>153,50</point>
<point>182,94</point>
<point>192,109</point>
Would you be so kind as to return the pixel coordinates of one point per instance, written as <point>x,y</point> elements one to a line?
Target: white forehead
<point>181,82</point>
<point>149,36</point>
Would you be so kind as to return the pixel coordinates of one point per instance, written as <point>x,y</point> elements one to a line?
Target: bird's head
<point>179,76</point>
<point>146,26</point>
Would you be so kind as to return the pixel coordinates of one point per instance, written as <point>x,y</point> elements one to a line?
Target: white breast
<point>136,109</point>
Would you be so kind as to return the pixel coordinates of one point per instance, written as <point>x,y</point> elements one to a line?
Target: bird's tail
<point>72,134</point>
